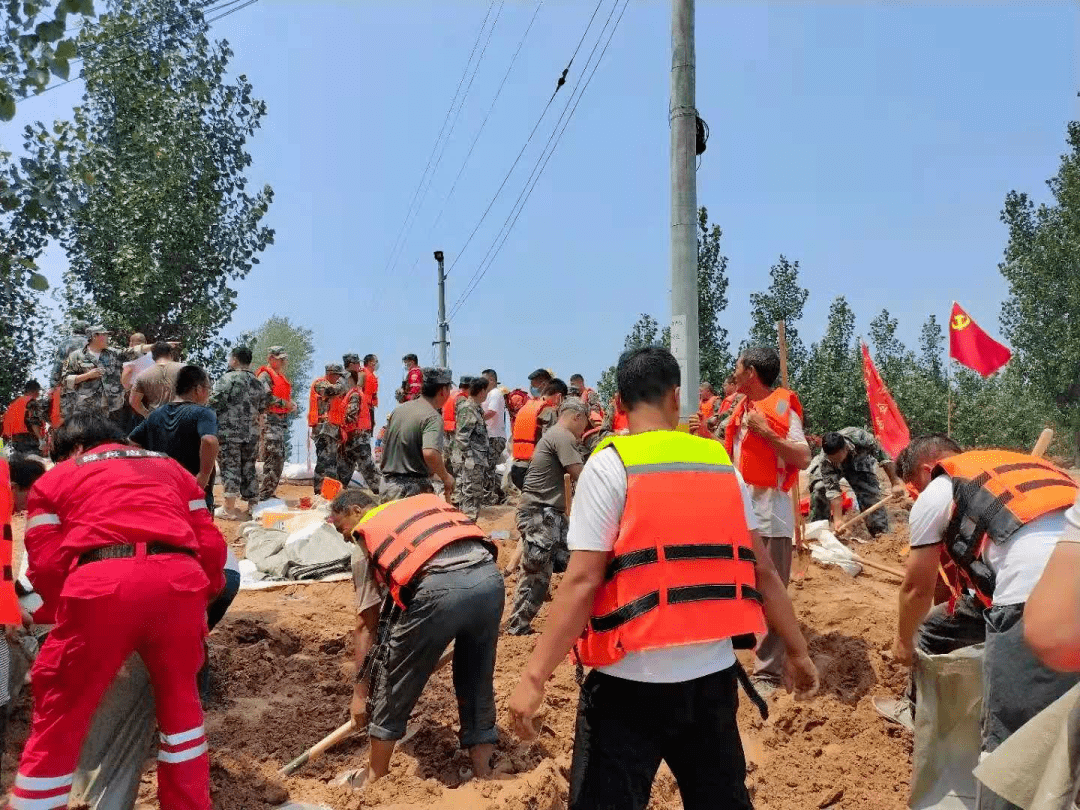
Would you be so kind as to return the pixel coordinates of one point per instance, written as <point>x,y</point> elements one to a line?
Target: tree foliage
<point>646,331</point>
<point>278,330</point>
<point>163,223</point>
<point>831,383</point>
<point>783,301</point>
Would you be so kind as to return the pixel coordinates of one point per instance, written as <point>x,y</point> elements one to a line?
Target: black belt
<point>124,551</point>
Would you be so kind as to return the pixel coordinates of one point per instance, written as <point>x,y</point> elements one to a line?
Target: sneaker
<point>896,710</point>
<point>764,686</point>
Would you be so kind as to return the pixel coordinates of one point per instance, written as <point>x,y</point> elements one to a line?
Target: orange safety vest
<point>758,462</point>
<point>363,414</point>
<point>371,388</point>
<point>56,416</point>
<point>527,429</point>
<point>596,412</point>
<point>336,414</point>
<point>14,423</point>
<point>401,536</point>
<point>449,416</point>
<point>9,602</point>
<point>995,494</point>
<point>705,413</point>
<point>280,387</point>
<point>621,421</point>
<point>682,570</point>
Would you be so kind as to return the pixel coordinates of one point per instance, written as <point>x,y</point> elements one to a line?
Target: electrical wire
<point>476,138</point>
<point>482,269</point>
<point>398,240</point>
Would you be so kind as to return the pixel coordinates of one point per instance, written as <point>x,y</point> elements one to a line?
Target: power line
<point>423,177</point>
<point>476,138</point>
<point>498,191</point>
<point>479,276</point>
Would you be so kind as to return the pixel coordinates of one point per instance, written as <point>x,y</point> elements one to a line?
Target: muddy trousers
<point>769,658</point>
<point>92,639</point>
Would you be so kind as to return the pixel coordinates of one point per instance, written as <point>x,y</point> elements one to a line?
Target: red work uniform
<point>121,547</point>
<point>414,382</point>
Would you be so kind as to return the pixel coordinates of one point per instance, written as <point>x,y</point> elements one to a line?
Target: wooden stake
<point>852,521</point>
<point>800,539</point>
<point>1043,444</point>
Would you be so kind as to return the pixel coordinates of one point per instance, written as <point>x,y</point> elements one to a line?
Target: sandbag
<point>947,739</point>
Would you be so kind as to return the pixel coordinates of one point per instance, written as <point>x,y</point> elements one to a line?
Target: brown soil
<point>282,662</point>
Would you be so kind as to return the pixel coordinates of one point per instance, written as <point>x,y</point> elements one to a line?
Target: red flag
<point>889,425</point>
<point>971,346</point>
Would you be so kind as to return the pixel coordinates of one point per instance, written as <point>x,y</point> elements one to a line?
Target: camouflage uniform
<point>106,394</point>
<point>543,533</point>
<point>470,456</point>
<point>327,437</point>
<point>275,426</point>
<point>356,455</point>
<point>396,487</point>
<point>238,399</point>
<point>592,439</point>
<point>860,470</point>
<point>493,493</point>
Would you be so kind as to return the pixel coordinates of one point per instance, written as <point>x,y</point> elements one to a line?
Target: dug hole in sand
<point>283,680</point>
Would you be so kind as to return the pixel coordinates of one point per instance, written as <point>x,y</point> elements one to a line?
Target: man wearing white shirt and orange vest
<point>666,569</point>
<point>766,443</point>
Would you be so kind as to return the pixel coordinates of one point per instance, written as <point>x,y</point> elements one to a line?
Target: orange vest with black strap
<point>371,388</point>
<point>401,536</point>
<point>596,411</point>
<point>14,423</point>
<point>995,494</point>
<point>280,388</point>
<point>449,415</point>
<point>682,570</point>
<point>758,463</point>
<point>527,429</point>
<point>362,420</point>
<point>336,414</point>
<point>705,412</point>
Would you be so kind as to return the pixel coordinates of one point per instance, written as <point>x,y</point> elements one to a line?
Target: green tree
<point>931,350</point>
<point>278,330</point>
<point>783,301</point>
<point>1042,268</point>
<point>832,387</point>
<point>166,225</point>
<point>716,361</point>
<point>645,332</point>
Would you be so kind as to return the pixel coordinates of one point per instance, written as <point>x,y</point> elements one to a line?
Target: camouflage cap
<point>334,368</point>
<point>97,329</point>
<point>346,359</point>
<point>465,380</point>
<point>437,376</point>
<point>79,326</point>
<point>277,351</point>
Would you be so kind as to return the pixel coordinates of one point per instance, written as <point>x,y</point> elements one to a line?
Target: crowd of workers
<point>678,554</point>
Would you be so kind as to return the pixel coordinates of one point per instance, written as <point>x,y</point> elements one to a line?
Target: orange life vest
<point>621,421</point>
<point>705,412</point>
<point>449,416</point>
<point>336,414</point>
<point>9,603</point>
<point>682,570</point>
<point>995,494</point>
<point>362,420</point>
<point>596,411</point>
<point>758,462</point>
<point>56,416</point>
<point>371,388</point>
<point>527,429</point>
<point>280,388</point>
<point>14,423</point>
<point>401,536</point>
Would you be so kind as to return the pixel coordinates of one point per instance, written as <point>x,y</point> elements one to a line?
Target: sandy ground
<point>283,677</point>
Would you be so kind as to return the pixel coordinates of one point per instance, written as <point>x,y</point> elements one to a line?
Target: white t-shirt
<point>1072,531</point>
<point>1017,563</point>
<point>496,425</point>
<point>775,514</point>
<point>594,524</point>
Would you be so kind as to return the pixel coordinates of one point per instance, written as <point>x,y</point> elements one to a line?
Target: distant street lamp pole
<point>442,341</point>
<point>684,273</point>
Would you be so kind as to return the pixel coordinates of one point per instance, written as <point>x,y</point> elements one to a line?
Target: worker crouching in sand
<point>442,585</point>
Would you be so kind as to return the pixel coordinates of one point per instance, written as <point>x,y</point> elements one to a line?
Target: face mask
<point>375,367</point>
<point>534,390</point>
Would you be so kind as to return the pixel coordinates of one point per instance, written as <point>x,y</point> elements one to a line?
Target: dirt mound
<point>283,668</point>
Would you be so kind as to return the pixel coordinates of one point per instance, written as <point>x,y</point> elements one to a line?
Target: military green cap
<point>278,351</point>
<point>350,358</point>
<point>334,368</point>
<point>97,329</point>
<point>437,376</point>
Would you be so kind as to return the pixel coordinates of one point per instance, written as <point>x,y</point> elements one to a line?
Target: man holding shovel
<point>444,586</point>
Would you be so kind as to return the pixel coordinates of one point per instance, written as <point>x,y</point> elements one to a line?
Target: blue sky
<point>872,142</point>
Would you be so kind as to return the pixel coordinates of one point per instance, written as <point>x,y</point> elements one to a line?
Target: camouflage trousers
<point>543,537</point>
<point>449,445</point>
<point>396,487</point>
<point>273,463</point>
<point>237,463</point>
<point>493,492</point>
<point>327,460</point>
<point>864,483</point>
<point>356,455</point>
<point>469,482</point>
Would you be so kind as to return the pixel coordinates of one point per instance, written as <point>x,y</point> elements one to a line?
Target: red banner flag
<point>889,425</point>
<point>971,346</point>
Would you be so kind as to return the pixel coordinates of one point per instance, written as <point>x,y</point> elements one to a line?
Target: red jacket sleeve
<point>212,548</point>
<point>46,568</point>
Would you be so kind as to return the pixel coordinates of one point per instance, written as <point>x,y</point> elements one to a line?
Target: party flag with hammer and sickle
<point>971,346</point>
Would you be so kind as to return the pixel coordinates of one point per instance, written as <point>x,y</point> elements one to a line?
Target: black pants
<point>626,728</point>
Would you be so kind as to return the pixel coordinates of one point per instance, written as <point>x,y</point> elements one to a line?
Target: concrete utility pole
<point>442,342</point>
<point>684,276</point>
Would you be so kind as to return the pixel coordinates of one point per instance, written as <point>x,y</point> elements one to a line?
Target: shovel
<point>829,551</point>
